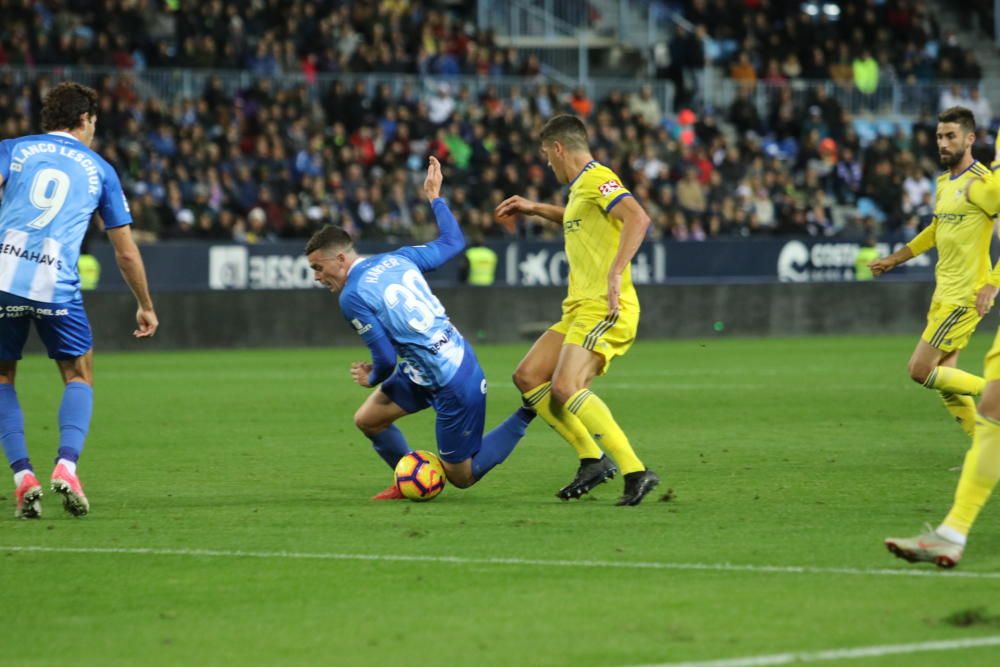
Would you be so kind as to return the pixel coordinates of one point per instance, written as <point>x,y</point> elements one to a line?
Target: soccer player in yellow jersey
<point>961,231</point>
<point>603,226</point>
<point>945,544</point>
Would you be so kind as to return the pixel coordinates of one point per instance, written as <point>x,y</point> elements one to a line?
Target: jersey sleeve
<point>113,206</point>
<point>925,240</point>
<point>994,277</point>
<point>449,243</point>
<point>984,192</point>
<point>5,159</point>
<point>362,317</point>
<point>605,186</point>
<point>996,154</point>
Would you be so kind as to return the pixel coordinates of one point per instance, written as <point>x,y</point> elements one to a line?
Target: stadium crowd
<point>267,37</point>
<point>778,41</point>
<point>273,162</point>
<point>278,159</point>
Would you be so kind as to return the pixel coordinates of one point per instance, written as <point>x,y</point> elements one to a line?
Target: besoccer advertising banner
<point>188,266</point>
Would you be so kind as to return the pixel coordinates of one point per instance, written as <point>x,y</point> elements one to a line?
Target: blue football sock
<point>500,442</point>
<point>390,445</point>
<point>12,429</point>
<point>74,419</point>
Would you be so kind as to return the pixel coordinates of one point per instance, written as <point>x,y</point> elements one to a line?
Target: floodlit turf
<point>800,452</point>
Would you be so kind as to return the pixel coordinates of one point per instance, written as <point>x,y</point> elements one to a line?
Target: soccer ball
<point>420,475</point>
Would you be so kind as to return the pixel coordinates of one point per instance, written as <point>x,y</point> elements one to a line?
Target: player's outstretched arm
<point>888,263</point>
<point>635,223</point>
<point>134,272</point>
<point>923,242</point>
<point>507,212</point>
<point>450,241</point>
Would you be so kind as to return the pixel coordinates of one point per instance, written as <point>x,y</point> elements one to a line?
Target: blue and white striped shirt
<point>52,185</point>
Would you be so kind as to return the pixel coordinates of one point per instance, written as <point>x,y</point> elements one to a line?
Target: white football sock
<point>18,476</point>
<point>70,465</point>
<point>950,534</point>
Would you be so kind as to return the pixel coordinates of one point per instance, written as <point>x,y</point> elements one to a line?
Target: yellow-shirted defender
<point>961,231</point>
<point>592,237</point>
<point>945,544</point>
<point>603,226</point>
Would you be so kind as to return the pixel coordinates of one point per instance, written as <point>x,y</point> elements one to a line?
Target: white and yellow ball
<point>420,475</point>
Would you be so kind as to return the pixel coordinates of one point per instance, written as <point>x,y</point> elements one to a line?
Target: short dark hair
<point>959,115</point>
<point>330,236</point>
<point>567,130</point>
<point>64,104</point>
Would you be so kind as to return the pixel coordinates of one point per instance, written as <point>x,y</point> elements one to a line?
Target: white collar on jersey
<point>353,264</point>
<point>65,134</point>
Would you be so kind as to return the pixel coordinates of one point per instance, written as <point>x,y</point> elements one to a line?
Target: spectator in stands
<point>980,108</point>
<point>580,104</point>
<point>743,71</point>
<point>691,193</point>
<point>645,106</point>
<point>441,106</point>
<point>916,188</point>
<point>866,73</point>
<point>743,112</point>
<point>309,153</point>
<point>952,96</point>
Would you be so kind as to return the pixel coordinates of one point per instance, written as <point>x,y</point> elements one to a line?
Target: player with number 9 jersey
<point>52,178</point>
<point>388,302</point>
<point>53,184</point>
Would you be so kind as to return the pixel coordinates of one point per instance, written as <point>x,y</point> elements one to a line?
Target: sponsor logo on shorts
<point>31,311</point>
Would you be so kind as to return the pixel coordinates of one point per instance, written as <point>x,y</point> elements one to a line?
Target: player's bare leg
<point>459,474</point>
<point>938,369</point>
<point>377,413</point>
<point>533,378</point>
<point>926,358</point>
<point>539,364</point>
<point>375,416</point>
<point>77,375</point>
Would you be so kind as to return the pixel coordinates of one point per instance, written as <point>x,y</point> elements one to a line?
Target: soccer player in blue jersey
<point>388,302</point>
<point>53,183</point>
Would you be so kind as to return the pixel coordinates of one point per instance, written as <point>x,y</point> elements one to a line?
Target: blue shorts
<point>460,406</point>
<point>63,327</point>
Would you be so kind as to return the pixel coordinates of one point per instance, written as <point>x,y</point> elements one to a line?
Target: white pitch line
<point>839,654</point>
<point>462,560</point>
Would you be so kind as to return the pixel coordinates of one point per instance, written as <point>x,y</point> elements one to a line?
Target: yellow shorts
<point>588,325</point>
<point>949,327</point>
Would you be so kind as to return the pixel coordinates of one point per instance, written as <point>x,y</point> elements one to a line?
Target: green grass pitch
<point>778,453</point>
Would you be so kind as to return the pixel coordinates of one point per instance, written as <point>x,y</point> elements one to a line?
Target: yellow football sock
<point>980,475</point>
<point>562,421</point>
<point>955,381</point>
<point>963,408</point>
<point>604,429</point>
